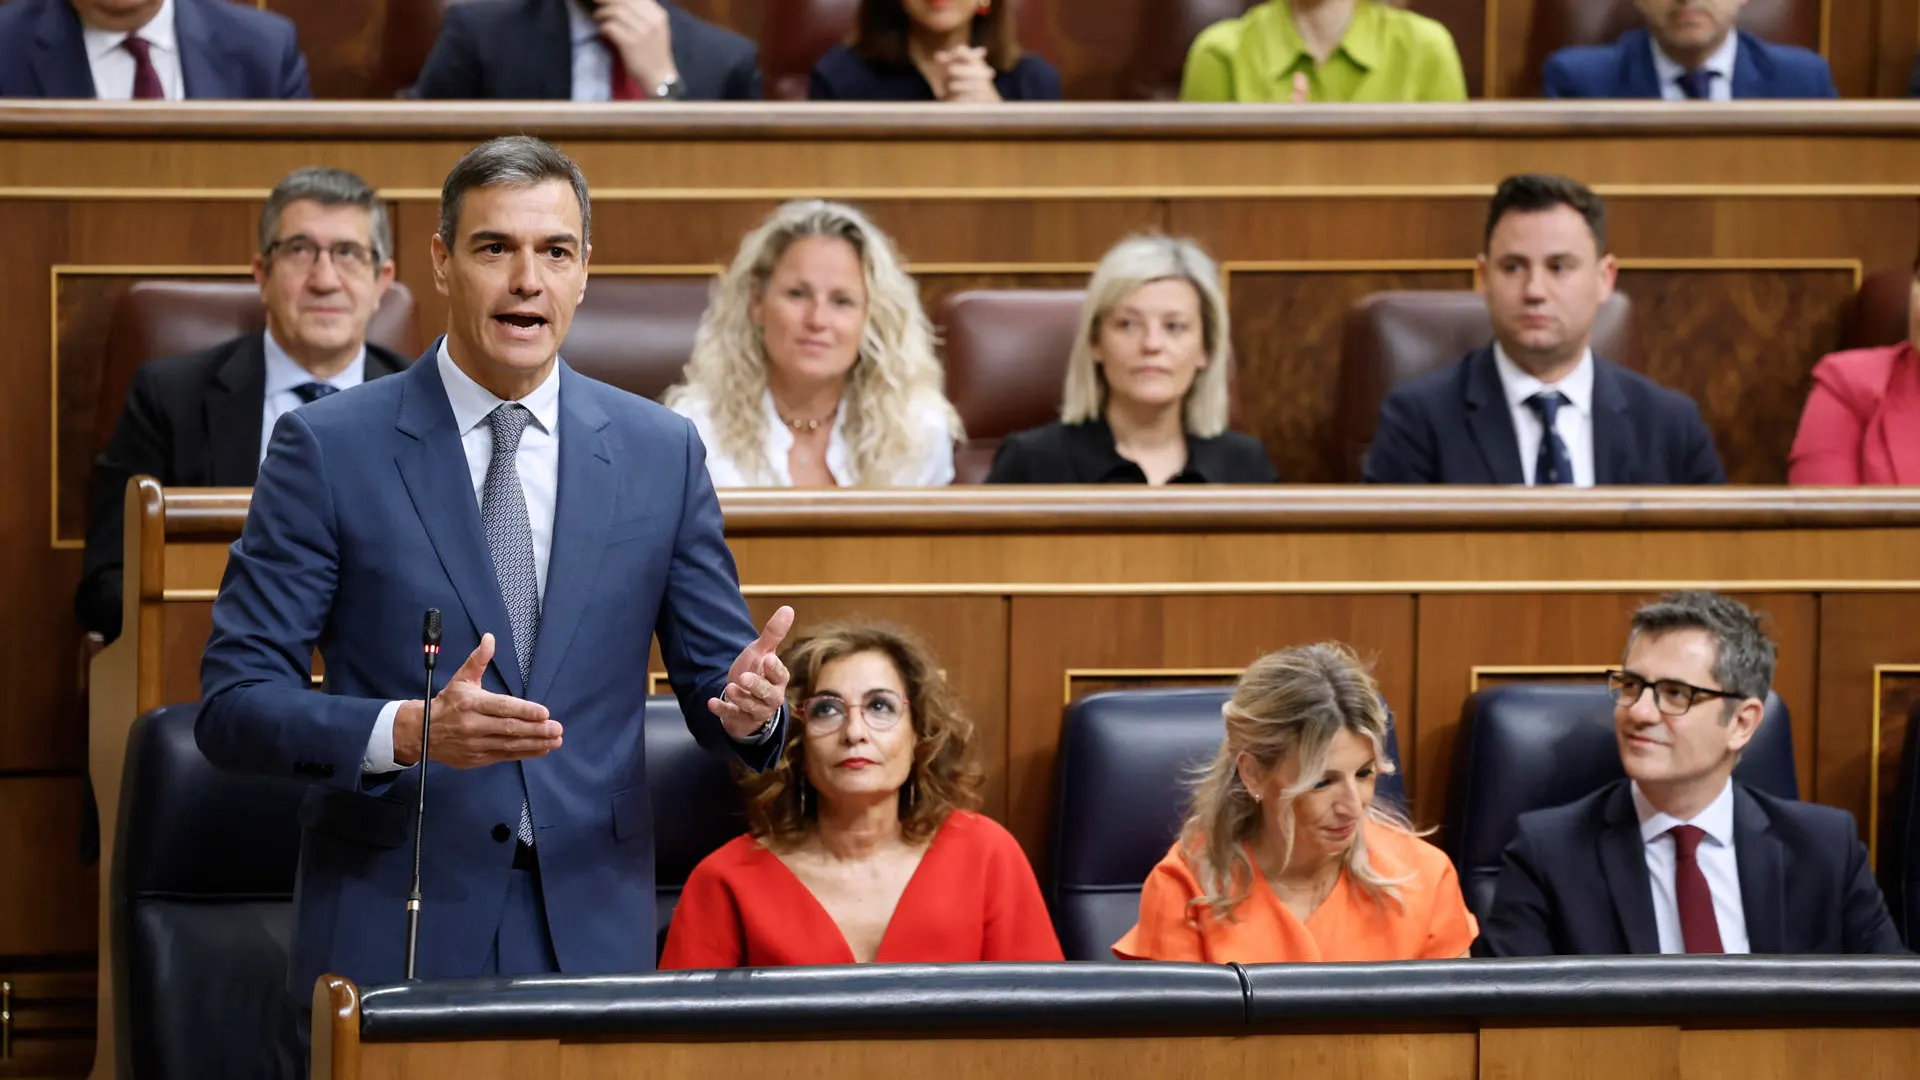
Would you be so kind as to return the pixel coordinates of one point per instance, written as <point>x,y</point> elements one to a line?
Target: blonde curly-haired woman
<point>814,364</point>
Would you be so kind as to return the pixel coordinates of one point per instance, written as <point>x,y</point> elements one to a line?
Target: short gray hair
<point>328,187</point>
<point>1744,655</point>
<point>1134,262</point>
<point>513,161</point>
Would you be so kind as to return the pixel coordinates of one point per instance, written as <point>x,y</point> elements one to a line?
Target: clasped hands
<point>473,726</point>
<point>966,76</point>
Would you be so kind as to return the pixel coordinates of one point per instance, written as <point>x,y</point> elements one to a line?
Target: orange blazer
<point>1862,420</point>
<point>973,897</point>
<point>1431,921</point>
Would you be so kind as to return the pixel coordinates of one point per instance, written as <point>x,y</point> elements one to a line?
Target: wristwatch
<point>671,89</point>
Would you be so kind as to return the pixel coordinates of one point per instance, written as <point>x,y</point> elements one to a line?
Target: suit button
<point>500,834</point>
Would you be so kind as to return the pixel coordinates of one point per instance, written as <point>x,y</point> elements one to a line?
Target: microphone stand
<point>430,648</point>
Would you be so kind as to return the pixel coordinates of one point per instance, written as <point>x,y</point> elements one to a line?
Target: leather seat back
<point>636,333</point>
<point>1006,353</point>
<point>1880,310</point>
<point>795,35</point>
<point>697,806</point>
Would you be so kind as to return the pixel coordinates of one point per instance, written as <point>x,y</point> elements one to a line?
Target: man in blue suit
<point>559,524</point>
<point>1680,857</point>
<point>1536,406</point>
<point>1689,51</point>
<point>169,50</point>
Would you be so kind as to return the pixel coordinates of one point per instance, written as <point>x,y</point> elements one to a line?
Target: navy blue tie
<point>1697,85</point>
<point>311,392</point>
<point>1552,465</point>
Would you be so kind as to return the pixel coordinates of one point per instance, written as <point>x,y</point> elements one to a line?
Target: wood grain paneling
<point>1858,633</point>
<point>46,895</point>
<point>1580,1053</point>
<point>1799,1053</point>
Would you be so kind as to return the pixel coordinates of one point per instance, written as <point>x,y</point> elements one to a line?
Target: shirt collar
<point>581,29</point>
<point>1519,385</point>
<point>284,372</point>
<point>1716,820</point>
<point>472,403</point>
<point>1363,43</point>
<point>158,33</point>
<point>1093,442</point>
<point>1720,63</point>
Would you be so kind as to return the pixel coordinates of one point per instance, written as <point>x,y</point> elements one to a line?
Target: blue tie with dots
<point>503,513</point>
<point>1552,465</point>
<point>308,393</point>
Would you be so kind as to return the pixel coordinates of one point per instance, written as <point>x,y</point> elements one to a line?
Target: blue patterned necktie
<point>1552,465</point>
<point>1697,85</point>
<point>503,513</point>
<point>310,392</point>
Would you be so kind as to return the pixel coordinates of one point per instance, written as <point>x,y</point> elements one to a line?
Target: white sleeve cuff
<point>379,757</point>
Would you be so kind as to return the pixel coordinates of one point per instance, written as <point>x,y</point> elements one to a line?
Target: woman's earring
<point>1257,796</point>
<point>985,8</point>
<point>803,800</point>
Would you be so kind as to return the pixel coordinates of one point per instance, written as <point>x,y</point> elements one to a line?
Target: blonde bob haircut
<point>895,371</point>
<point>1135,262</point>
<point>1288,706</point>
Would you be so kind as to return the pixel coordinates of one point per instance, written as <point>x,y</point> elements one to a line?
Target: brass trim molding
<point>1880,671</point>
<point>1070,674</point>
<point>1473,678</point>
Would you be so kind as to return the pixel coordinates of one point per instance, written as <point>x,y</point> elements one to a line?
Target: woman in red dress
<point>862,844</point>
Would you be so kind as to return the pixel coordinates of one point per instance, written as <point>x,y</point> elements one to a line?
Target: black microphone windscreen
<point>430,634</point>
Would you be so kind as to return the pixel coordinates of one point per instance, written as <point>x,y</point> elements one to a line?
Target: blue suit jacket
<point>1625,69</point>
<point>1452,426</point>
<point>227,50</point>
<point>1574,881</point>
<point>363,517</point>
<point>523,50</point>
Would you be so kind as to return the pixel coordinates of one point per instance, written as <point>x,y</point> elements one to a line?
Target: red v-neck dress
<point>973,897</point>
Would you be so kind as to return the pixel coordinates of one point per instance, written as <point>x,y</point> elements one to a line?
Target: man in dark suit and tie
<point>587,50</point>
<point>164,50</point>
<point>324,261</point>
<point>1536,406</point>
<point>1689,51</point>
<point>559,524</point>
<point>1680,857</point>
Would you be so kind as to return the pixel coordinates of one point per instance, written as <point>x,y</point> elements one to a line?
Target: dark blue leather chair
<point>1529,746</point>
<point>1899,849</point>
<point>697,806</point>
<point>202,895</point>
<point>1126,762</point>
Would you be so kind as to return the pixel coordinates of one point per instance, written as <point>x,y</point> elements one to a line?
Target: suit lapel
<point>434,468</point>
<point>550,38</point>
<point>1763,880</point>
<point>200,67</point>
<point>1623,861</point>
<point>1893,420</point>
<point>583,508</point>
<point>1490,422</point>
<point>1638,77</point>
<point>1612,428</point>
<point>236,397</point>
<point>1752,71</point>
<point>60,54</point>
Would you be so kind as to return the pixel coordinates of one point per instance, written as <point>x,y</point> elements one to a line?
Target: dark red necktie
<point>146,81</point>
<point>1698,928</point>
<point>621,85</point>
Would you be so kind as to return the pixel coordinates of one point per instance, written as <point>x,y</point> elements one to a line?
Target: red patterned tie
<point>1698,928</point>
<point>146,81</point>
<point>621,86</point>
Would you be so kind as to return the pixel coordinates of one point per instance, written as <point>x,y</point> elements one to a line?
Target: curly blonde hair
<point>1288,705</point>
<point>894,374</point>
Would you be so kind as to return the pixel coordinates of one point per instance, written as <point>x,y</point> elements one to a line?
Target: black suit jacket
<point>1574,881</point>
<point>226,51</point>
<point>523,50</point>
<point>191,421</point>
<point>1084,454</point>
<point>1452,426</point>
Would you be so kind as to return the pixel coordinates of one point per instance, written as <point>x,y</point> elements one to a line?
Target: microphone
<point>430,650</point>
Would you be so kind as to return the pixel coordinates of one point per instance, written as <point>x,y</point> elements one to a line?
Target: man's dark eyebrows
<point>488,236</point>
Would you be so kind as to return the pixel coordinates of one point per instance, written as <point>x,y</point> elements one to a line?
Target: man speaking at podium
<point>559,524</point>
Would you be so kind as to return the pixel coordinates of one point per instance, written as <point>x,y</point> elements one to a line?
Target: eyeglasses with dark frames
<point>1670,696</point>
<point>302,252</point>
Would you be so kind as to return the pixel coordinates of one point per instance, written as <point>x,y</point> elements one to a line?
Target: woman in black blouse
<point>934,50</point>
<point>1145,400</point>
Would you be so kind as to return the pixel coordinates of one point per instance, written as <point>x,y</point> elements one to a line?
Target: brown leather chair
<point>1392,337</point>
<point>1880,310</point>
<point>635,332</point>
<point>796,34</point>
<point>1559,24</point>
<point>153,319</point>
<point>1167,30</point>
<point>1006,365</point>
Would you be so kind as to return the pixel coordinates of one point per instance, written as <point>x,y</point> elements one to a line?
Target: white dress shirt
<point>1719,88</point>
<point>1574,422</point>
<point>113,65</point>
<point>284,373</point>
<point>539,465</point>
<point>1718,863</point>
<point>932,465</point>
<point>592,60</point>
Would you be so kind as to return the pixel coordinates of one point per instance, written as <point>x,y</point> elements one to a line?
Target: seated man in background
<point>1680,857</point>
<point>161,50</point>
<point>202,420</point>
<point>1536,406</point>
<point>1324,50</point>
<point>1689,51</point>
<point>586,50</point>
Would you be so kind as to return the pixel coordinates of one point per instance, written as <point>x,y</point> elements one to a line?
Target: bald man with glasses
<point>1680,857</point>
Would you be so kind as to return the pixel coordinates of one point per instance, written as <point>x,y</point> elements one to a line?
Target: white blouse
<point>932,465</point>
